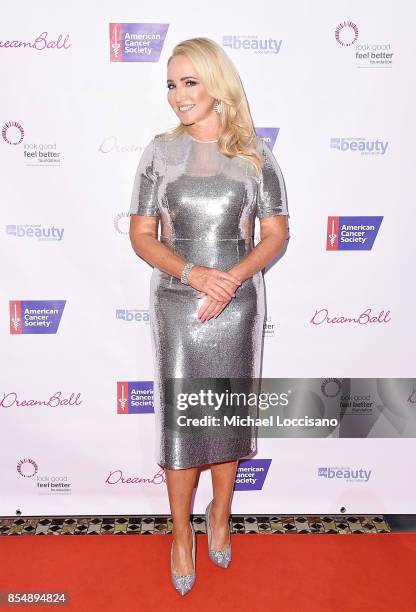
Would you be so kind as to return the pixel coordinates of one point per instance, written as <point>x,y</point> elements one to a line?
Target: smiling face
<point>188,96</point>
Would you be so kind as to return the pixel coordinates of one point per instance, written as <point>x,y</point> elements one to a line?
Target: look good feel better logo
<point>367,53</point>
<point>136,42</point>
<point>39,153</point>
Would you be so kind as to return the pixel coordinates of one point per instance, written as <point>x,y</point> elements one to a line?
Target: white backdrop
<point>96,115</point>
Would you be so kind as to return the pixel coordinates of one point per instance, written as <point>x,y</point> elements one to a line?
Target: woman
<point>205,181</point>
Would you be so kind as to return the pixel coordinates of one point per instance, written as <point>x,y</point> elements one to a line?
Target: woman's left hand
<point>211,307</point>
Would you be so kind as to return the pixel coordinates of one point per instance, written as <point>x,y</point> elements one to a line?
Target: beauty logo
<point>252,43</point>
<point>347,473</point>
<point>44,234</point>
<point>251,474</point>
<point>352,233</point>
<point>365,146</point>
<point>133,314</point>
<point>135,397</point>
<point>137,42</point>
<point>35,316</point>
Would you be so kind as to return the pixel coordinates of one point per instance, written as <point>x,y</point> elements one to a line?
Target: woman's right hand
<point>213,282</point>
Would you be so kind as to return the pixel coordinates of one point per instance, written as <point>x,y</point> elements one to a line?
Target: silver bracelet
<point>185,272</point>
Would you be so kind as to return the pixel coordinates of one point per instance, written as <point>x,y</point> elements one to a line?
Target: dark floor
<point>401,522</point>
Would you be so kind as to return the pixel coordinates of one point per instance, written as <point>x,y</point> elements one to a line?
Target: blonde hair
<point>222,81</point>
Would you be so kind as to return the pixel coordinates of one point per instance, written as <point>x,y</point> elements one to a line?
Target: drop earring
<point>217,106</point>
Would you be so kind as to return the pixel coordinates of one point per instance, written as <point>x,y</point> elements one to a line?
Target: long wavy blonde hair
<point>222,81</point>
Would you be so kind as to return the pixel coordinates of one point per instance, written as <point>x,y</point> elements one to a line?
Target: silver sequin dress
<point>206,203</point>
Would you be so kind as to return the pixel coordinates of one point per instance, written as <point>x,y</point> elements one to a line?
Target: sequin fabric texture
<point>206,203</point>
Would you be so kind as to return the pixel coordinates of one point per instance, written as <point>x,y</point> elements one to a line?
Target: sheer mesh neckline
<point>201,141</point>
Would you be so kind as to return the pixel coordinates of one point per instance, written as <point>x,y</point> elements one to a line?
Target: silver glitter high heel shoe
<point>183,583</point>
<point>219,557</point>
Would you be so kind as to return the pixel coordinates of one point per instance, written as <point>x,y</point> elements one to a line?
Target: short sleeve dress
<point>207,203</point>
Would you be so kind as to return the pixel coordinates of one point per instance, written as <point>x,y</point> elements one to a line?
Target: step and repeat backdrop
<point>331,88</point>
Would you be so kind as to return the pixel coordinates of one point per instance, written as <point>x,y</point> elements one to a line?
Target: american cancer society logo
<point>35,316</point>
<point>268,134</point>
<point>251,474</point>
<point>137,42</point>
<point>352,233</point>
<point>135,397</point>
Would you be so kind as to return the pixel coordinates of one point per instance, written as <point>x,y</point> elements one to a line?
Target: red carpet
<point>283,572</point>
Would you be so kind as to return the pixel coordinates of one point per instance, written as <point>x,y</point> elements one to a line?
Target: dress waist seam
<point>206,239</point>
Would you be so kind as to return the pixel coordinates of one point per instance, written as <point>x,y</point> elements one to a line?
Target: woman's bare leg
<point>180,485</point>
<point>223,478</point>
